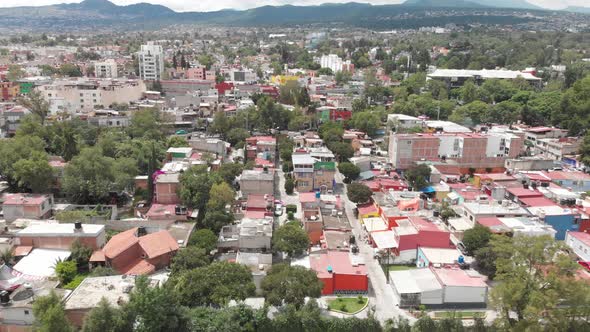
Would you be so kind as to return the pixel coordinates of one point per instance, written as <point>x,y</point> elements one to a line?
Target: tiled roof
<point>157,244</point>
<point>120,243</point>
<point>139,267</point>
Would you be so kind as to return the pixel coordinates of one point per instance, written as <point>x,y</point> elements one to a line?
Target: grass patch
<point>75,282</point>
<point>349,305</point>
<point>459,314</point>
<point>401,267</point>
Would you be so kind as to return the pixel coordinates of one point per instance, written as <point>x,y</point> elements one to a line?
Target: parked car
<point>278,210</point>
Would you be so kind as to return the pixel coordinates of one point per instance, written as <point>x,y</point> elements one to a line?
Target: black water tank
<point>78,225</point>
<point>141,231</point>
<point>4,297</point>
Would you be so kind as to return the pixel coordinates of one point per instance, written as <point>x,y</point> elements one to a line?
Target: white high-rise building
<point>331,61</point>
<point>106,69</point>
<point>151,62</point>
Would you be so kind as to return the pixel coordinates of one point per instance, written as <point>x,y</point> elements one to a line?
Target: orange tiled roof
<point>139,267</point>
<point>157,244</point>
<point>97,256</point>
<point>120,243</point>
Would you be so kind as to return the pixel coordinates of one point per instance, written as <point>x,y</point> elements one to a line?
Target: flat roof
<point>56,229</point>
<point>92,290</point>
<point>340,262</point>
<point>414,281</point>
<point>442,255</point>
<point>375,224</point>
<point>384,239</point>
<point>41,262</point>
<point>460,278</point>
<point>581,236</point>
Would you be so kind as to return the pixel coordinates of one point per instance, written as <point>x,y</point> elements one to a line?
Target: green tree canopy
<point>349,170</point>
<point>418,176</point>
<point>285,284</point>
<point>476,238</point>
<point>291,239</point>
<point>189,258</point>
<point>203,238</point>
<point>358,193</point>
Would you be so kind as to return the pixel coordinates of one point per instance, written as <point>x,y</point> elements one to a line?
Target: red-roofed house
<point>339,272</point>
<point>415,232</point>
<point>133,253</point>
<point>263,147</point>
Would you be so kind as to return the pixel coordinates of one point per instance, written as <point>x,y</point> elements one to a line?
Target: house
<point>341,272</point>
<point>259,264</point>
<point>476,210</point>
<point>575,180</point>
<point>414,232</point>
<point>447,287</point>
<point>455,78</point>
<point>560,218</point>
<point>580,244</point>
<point>133,252</point>
<point>440,257</point>
<point>257,182</point>
<point>170,212</point>
<point>61,236</point>
<point>248,235</point>
<point>528,226</point>
<point>261,147</point>
<point>166,188</point>
<point>87,296</point>
<point>31,206</point>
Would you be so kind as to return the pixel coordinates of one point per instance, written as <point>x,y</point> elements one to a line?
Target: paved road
<point>383,299</point>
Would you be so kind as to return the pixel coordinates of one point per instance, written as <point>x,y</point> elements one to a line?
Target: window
<point>26,312</point>
<point>81,95</point>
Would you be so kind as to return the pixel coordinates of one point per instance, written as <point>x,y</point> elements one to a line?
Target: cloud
<point>211,5</point>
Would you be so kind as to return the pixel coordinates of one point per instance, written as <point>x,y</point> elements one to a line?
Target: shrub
<point>75,282</point>
<point>66,271</point>
<point>290,215</point>
<point>360,299</point>
<point>343,308</point>
<point>291,208</point>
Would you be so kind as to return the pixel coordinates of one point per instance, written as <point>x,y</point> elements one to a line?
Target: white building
<point>580,244</point>
<point>106,69</point>
<point>333,62</point>
<point>151,61</point>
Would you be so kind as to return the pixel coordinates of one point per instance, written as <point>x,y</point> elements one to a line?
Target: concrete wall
<point>455,294</point>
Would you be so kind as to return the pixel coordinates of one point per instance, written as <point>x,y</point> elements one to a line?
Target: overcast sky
<point>209,5</point>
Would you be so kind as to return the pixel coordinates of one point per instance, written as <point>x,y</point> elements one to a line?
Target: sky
<point>210,5</point>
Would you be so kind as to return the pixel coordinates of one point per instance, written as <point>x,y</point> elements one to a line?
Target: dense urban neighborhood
<point>296,178</point>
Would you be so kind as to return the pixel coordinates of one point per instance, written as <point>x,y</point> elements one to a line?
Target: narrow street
<point>382,299</point>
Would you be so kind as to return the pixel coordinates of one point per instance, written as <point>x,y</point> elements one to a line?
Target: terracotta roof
<point>97,256</point>
<point>139,267</point>
<point>22,250</point>
<point>157,244</point>
<point>120,243</point>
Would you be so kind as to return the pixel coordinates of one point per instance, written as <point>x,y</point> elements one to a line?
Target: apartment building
<point>106,69</point>
<point>557,148</point>
<point>463,149</point>
<point>312,174</point>
<point>151,62</point>
<point>85,95</point>
<point>455,78</point>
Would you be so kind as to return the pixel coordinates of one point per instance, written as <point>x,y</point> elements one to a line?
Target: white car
<point>278,210</point>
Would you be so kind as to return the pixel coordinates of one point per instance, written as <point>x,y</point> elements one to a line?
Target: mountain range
<point>91,13</point>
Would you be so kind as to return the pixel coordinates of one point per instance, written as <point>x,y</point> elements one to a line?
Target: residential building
<point>133,252</point>
<point>106,69</point>
<point>528,226</point>
<point>259,182</point>
<point>335,63</point>
<point>414,232</point>
<point>311,174</point>
<point>151,62</point>
<point>208,144</point>
<point>263,147</point>
<point>31,206</point>
<point>557,148</point>
<point>455,78</point>
<point>404,121</point>
<point>247,235</point>
<point>466,150</point>
<point>166,188</point>
<point>341,272</point>
<point>52,235</point>
<point>9,91</point>
<point>473,211</point>
<point>580,244</point>
<point>440,288</point>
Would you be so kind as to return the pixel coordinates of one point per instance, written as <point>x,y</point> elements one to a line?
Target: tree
<point>342,150</point>
<point>154,309</point>
<point>146,124</point>
<point>476,238</point>
<point>358,193</point>
<point>104,318</point>
<point>216,219</point>
<point>289,185</point>
<point>535,276</point>
<point>290,239</point>
<point>220,124</point>
<point>176,142</point>
<point>203,238</point>
<point>101,271</point>
<point>349,170</point>
<point>34,173</point>
<point>418,176</point>
<point>15,72</point>
<point>6,256</point>
<point>89,177</point>
<point>13,150</point>
<point>49,314</point>
<point>189,258</point>
<point>36,103</point>
<point>585,149</point>
<point>80,253</point>
<point>70,70</point>
<point>485,260</point>
<point>342,77</point>
<point>195,185</point>
<point>229,171</point>
<point>220,195</point>
<point>285,284</point>
<point>215,284</point>
<point>66,271</point>
<point>367,122</point>
<point>325,71</point>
